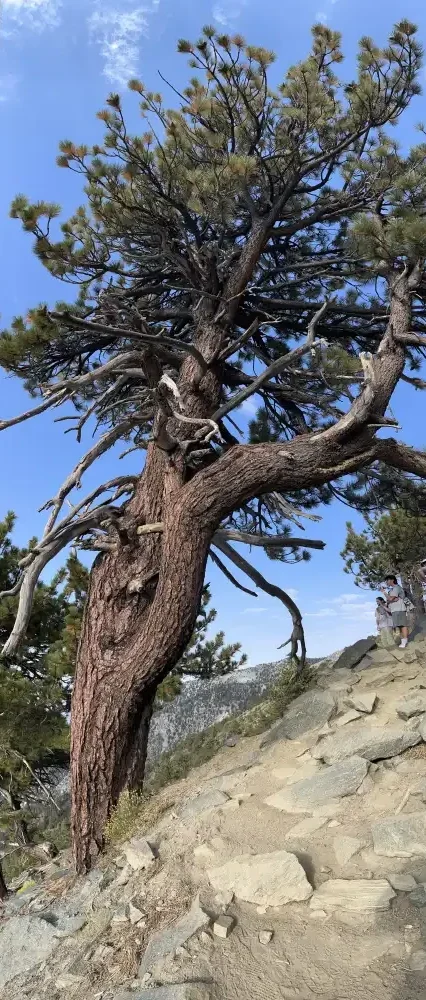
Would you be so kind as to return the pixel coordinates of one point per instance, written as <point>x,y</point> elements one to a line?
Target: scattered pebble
<point>223,926</point>
<point>265,937</point>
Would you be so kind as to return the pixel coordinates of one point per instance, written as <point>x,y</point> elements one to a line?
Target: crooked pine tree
<point>249,242</point>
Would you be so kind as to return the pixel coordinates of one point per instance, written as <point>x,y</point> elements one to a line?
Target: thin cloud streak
<point>34,14</point>
<point>118,31</point>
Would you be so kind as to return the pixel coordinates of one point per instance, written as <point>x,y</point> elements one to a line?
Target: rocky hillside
<point>292,866</point>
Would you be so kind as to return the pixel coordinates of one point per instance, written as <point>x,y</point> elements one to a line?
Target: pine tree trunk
<point>3,886</point>
<point>136,771</point>
<point>130,642</point>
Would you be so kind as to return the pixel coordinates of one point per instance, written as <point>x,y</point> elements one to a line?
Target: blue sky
<point>58,61</point>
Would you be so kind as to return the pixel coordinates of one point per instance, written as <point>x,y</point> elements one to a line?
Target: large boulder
<point>266,879</point>
<point>353,894</point>
<point>24,943</point>
<point>307,795</point>
<point>400,836</point>
<point>310,711</point>
<point>366,741</point>
<point>352,655</point>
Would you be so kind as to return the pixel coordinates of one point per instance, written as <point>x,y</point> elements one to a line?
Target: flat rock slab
<point>345,848</point>
<point>306,827</point>
<point>381,656</point>
<point>341,779</point>
<point>407,655</point>
<point>265,879</point>
<point>359,895</point>
<point>363,701</point>
<point>204,803</point>
<point>353,655</point>
<point>350,716</point>
<point>164,942</point>
<point>179,991</point>
<point>413,704</point>
<point>310,711</point>
<point>400,836</point>
<point>24,942</point>
<point>366,741</point>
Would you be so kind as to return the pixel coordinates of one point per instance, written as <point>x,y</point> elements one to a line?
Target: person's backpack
<point>408,602</point>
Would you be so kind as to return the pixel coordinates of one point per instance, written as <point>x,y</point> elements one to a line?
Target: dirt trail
<point>331,953</point>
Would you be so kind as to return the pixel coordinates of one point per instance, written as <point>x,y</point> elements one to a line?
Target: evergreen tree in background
<point>249,241</point>
<point>34,732</point>
<point>395,543</point>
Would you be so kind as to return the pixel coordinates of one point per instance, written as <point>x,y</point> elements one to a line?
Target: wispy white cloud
<point>35,14</point>
<point>118,31</point>
<point>227,13</point>
<point>322,16</point>
<point>350,607</point>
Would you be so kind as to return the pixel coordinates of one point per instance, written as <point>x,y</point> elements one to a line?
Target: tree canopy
<point>250,241</point>
<point>394,542</point>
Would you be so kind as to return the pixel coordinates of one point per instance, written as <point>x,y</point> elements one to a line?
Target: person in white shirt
<point>383,615</point>
<point>396,603</point>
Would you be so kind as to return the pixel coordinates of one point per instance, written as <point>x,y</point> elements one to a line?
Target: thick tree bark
<point>136,772</point>
<point>3,886</point>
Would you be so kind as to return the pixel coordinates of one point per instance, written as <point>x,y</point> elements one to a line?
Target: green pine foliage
<point>35,686</point>
<point>394,542</point>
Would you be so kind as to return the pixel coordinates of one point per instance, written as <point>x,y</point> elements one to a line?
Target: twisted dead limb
<point>297,636</point>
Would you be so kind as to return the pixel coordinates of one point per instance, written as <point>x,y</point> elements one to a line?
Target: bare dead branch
<point>32,573</point>
<point>97,374</point>
<point>13,590</point>
<point>273,369</point>
<point>143,336</point>
<point>73,480</point>
<point>237,344</point>
<point>229,576</point>
<point>148,529</point>
<point>297,636</point>
<point>274,541</point>
<point>20,756</point>
<point>54,400</point>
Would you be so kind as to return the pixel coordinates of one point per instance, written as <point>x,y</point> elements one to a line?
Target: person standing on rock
<point>395,600</point>
<point>383,615</point>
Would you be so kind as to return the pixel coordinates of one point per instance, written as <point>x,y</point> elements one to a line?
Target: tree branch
<point>297,635</point>
<point>278,541</point>
<point>273,369</point>
<point>73,480</point>
<point>55,400</point>
<point>32,573</point>
<point>229,575</point>
<point>143,336</point>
